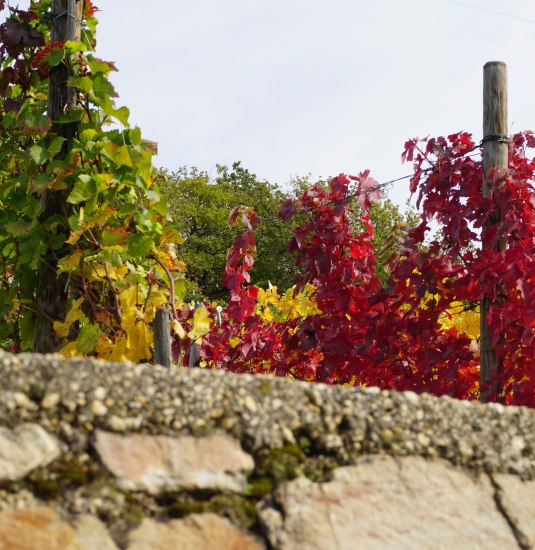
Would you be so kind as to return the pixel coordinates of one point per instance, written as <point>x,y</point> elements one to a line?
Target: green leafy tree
<point>200,209</point>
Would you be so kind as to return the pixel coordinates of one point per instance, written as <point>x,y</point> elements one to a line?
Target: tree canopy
<point>200,207</point>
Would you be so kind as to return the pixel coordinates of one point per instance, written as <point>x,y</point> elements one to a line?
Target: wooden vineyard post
<point>51,293</point>
<point>162,338</point>
<point>495,162</point>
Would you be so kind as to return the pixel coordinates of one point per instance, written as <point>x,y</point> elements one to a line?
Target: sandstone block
<point>383,503</point>
<point>518,500</point>
<point>158,464</point>
<point>195,532</point>
<point>43,529</point>
<point>26,447</point>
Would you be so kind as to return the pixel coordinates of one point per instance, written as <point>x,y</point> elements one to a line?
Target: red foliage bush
<point>391,336</point>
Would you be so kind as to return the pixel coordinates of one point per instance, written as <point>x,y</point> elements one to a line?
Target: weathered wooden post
<point>51,293</point>
<point>162,338</point>
<point>495,161</point>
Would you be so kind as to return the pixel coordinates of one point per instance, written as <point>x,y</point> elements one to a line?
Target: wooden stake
<point>51,293</point>
<point>151,146</point>
<point>495,162</point>
<point>162,338</point>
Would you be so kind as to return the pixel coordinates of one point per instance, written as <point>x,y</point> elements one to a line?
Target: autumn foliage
<point>403,335</point>
<point>116,259</point>
<point>340,323</point>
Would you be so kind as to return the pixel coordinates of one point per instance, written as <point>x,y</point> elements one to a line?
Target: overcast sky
<point>292,87</point>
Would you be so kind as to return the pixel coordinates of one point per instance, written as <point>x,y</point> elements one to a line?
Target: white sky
<point>292,87</point>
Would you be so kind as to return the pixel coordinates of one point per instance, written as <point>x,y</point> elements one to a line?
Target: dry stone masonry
<point>135,457</point>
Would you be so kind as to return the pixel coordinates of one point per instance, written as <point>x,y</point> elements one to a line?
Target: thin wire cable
<point>488,10</point>
<point>430,169</point>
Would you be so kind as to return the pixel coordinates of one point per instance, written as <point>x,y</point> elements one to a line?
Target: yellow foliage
<point>170,260</point>
<point>69,350</point>
<point>271,306</point>
<point>202,322</point>
<point>156,299</point>
<point>234,341</point>
<point>74,314</point>
<point>133,340</point>
<point>101,271</point>
<point>75,235</point>
<point>70,263</point>
<point>466,322</point>
<point>178,329</point>
<point>112,350</point>
<point>139,339</point>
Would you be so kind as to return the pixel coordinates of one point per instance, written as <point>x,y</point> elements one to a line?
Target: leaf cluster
<point>401,334</point>
<point>200,205</point>
<point>108,237</point>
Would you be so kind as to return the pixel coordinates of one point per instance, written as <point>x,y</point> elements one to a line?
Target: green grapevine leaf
<point>139,245</point>
<point>102,87</point>
<point>88,338</point>
<point>39,154</point>
<point>83,83</point>
<point>56,57</point>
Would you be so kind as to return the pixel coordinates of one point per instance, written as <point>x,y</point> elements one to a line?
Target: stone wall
<point>108,456</point>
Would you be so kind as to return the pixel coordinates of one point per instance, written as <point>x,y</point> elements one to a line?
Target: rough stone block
<point>517,499</point>
<point>158,464</point>
<point>382,504</point>
<point>195,532</point>
<point>26,447</point>
<point>43,529</point>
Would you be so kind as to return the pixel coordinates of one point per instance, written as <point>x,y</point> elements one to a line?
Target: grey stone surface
<point>196,532</point>
<point>264,412</point>
<point>410,471</point>
<point>385,503</point>
<point>160,464</point>
<point>24,448</point>
<point>516,499</point>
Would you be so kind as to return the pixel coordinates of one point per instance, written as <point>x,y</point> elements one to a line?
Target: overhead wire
<point>489,10</point>
<point>380,186</point>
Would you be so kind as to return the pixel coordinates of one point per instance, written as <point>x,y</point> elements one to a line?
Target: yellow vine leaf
<point>272,307</point>
<point>130,298</point>
<point>99,271</point>
<point>178,329</point>
<point>74,314</point>
<point>112,350</point>
<point>69,350</point>
<point>466,322</point>
<point>302,305</point>
<point>139,339</point>
<point>156,299</point>
<point>70,263</point>
<point>234,341</point>
<point>202,322</point>
<point>74,237</point>
<point>170,259</point>
<point>117,153</point>
<point>171,236</point>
